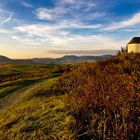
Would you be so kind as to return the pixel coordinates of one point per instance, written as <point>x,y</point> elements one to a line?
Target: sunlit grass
<point>36,116</point>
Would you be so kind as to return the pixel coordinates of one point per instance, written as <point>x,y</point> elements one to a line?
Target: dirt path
<point>21,93</point>
<point>15,96</point>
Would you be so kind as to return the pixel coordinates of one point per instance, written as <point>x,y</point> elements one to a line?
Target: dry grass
<point>104,98</point>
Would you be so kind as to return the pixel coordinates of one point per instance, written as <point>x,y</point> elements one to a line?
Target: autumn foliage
<point>103,98</point>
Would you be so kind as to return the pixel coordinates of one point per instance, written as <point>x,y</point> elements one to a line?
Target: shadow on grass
<point>16,86</point>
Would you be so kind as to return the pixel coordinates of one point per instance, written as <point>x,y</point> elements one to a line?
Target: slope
<point>89,101</point>
<point>36,115</point>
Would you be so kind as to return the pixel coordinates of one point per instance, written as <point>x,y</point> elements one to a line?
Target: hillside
<point>4,59</point>
<point>65,59</point>
<point>98,100</point>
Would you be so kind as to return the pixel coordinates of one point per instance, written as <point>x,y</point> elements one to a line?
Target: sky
<point>54,28</point>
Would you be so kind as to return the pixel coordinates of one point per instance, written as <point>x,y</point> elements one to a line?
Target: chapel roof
<point>135,40</point>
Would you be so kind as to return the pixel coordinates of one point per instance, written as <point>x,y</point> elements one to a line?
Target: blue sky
<point>53,28</point>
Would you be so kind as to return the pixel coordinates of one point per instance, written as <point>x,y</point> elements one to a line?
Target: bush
<point>103,98</point>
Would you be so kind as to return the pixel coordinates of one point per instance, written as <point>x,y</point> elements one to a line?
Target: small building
<point>134,45</point>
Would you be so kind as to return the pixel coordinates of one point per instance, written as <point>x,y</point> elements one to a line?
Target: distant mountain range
<point>65,59</point>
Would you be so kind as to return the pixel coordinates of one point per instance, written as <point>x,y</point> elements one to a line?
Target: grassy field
<point>99,101</point>
<point>32,111</point>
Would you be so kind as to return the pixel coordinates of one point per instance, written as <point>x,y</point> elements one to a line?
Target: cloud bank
<point>134,20</point>
<point>83,52</point>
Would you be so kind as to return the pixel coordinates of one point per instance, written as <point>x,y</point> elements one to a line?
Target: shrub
<point>103,98</point>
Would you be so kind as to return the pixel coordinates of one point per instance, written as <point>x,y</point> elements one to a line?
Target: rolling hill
<point>5,59</point>
<point>65,59</point>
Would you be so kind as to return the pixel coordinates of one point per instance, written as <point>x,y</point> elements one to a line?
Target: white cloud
<point>4,31</point>
<point>87,4</point>
<point>68,9</point>
<point>93,42</point>
<point>69,1</point>
<point>33,30</point>
<point>64,21</point>
<point>134,20</point>
<point>15,37</point>
<point>40,33</point>
<point>27,4</point>
<point>8,19</point>
<point>76,24</point>
<point>49,14</point>
<point>26,40</point>
<point>56,38</point>
<point>42,30</point>
<point>44,14</point>
<point>5,16</point>
<point>90,6</point>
